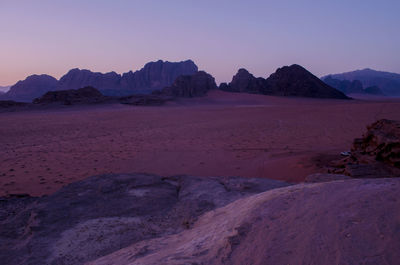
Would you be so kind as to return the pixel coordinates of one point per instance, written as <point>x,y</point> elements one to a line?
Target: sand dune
<point>223,134</point>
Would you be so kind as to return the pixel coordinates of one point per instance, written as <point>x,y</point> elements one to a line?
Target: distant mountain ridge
<point>32,87</point>
<point>388,82</point>
<point>153,76</point>
<point>352,87</point>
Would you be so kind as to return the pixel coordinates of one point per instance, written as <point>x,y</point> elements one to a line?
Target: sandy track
<point>223,134</point>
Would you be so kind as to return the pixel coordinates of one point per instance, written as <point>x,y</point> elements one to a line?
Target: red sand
<point>222,134</point>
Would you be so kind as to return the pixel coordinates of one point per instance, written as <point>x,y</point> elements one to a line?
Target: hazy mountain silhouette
<point>33,86</point>
<point>352,87</point>
<point>153,76</point>
<point>388,82</point>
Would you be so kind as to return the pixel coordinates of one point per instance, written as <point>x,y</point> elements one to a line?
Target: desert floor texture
<point>223,134</point>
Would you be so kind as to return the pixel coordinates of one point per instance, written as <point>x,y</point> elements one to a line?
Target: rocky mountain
<point>77,78</point>
<point>346,86</point>
<point>33,86</point>
<point>388,82</point>
<point>157,75</point>
<point>351,87</point>
<point>153,76</point>
<point>188,86</point>
<point>293,81</point>
<point>296,81</point>
<point>243,81</point>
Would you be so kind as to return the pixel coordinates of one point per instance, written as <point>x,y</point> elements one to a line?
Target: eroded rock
<point>341,222</point>
<point>102,214</point>
<point>376,154</point>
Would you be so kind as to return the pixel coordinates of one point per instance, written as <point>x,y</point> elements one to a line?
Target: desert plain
<point>222,134</point>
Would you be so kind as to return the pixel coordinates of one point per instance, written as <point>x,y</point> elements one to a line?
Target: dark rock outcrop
<point>196,85</point>
<point>243,81</point>
<point>382,142</point>
<point>33,86</point>
<point>94,217</point>
<point>292,81</point>
<point>12,104</point>
<point>85,95</point>
<point>376,154</point>
<point>295,81</point>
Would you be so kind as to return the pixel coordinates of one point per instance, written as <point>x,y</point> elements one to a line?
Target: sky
<point>220,36</point>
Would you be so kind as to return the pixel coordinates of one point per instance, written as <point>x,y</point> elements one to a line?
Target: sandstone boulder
<point>376,154</point>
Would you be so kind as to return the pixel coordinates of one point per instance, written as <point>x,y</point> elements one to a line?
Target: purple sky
<point>48,36</point>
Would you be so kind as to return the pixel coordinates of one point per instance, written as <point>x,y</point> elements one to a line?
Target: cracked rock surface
<point>353,221</point>
<point>102,214</point>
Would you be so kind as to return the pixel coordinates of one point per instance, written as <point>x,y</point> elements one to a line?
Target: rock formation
<point>351,87</point>
<point>243,81</point>
<point>196,85</point>
<point>340,222</point>
<point>83,95</point>
<point>157,75</point>
<point>292,81</point>
<point>33,86</point>
<point>94,217</point>
<point>389,83</point>
<point>11,104</point>
<point>296,81</point>
<point>376,154</point>
<point>154,75</point>
<point>77,78</point>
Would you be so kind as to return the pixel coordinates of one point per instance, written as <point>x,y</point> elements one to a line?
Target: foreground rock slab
<point>102,214</point>
<point>342,222</point>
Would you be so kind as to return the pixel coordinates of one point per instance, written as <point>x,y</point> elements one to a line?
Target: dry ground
<point>223,134</point>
